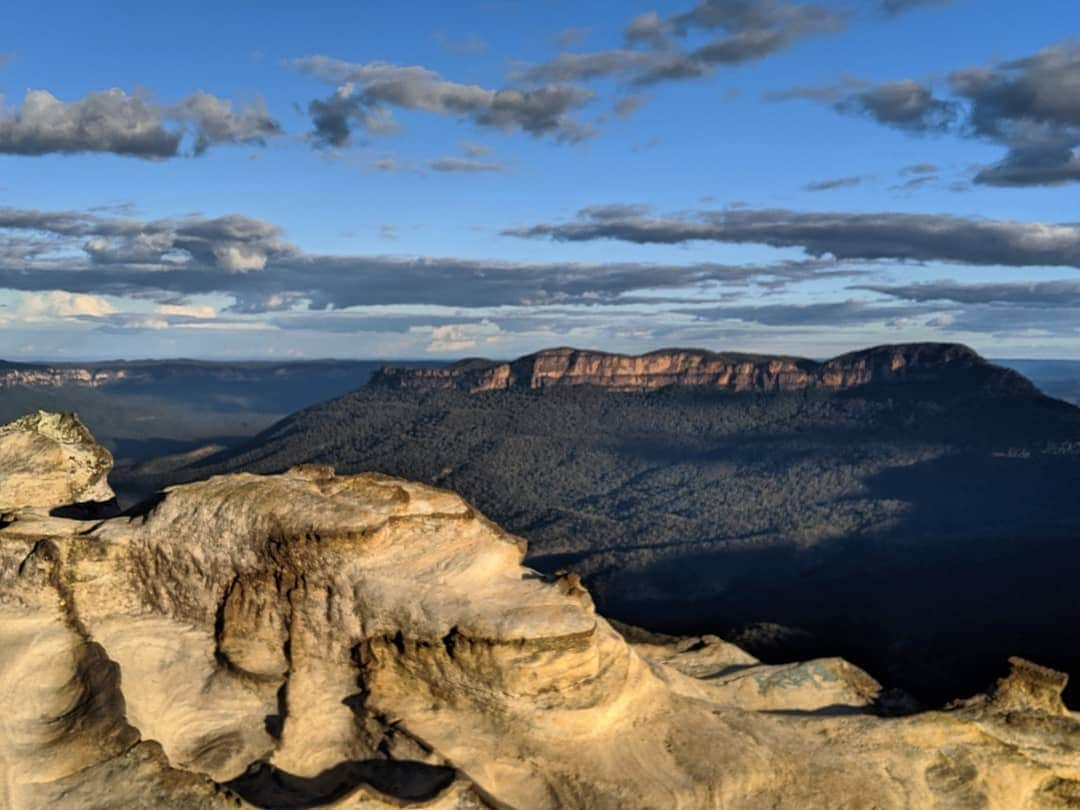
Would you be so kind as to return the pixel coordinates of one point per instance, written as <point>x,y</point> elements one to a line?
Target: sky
<point>417,180</point>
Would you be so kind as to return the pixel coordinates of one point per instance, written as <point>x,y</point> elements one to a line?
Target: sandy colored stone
<point>365,641</point>
<point>49,459</point>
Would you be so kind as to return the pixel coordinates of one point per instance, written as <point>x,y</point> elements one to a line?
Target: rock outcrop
<point>51,460</point>
<point>928,362</point>
<point>308,639</point>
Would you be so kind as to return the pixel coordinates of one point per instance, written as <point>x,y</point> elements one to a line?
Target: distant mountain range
<point>145,408</point>
<point>911,507</point>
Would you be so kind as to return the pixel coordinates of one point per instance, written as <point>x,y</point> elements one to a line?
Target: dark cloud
<point>613,211</point>
<point>894,7</point>
<point>750,30</point>
<point>1032,106</point>
<point>906,105</point>
<point>1033,167</point>
<point>916,182</point>
<point>920,168</point>
<point>1050,294</point>
<point>233,243</point>
<point>456,165</point>
<point>475,150</point>
<point>113,121</point>
<point>1039,89</point>
<point>919,237</point>
<point>909,105</point>
<point>247,259</point>
<point>367,93</point>
<point>649,29</point>
<point>836,182</point>
<point>829,313</point>
<point>827,94</point>
<point>1029,106</point>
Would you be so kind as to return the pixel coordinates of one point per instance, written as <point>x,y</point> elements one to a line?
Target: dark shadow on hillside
<point>265,786</point>
<point>978,571</point>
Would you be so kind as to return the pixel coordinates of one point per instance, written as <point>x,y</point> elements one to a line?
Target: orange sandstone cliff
<point>926,362</point>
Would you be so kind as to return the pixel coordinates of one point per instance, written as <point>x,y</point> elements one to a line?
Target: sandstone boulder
<point>51,460</point>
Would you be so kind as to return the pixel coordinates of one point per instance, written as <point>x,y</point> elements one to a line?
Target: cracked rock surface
<point>310,640</point>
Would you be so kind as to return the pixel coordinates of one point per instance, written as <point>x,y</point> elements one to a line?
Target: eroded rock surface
<point>51,460</point>
<point>308,640</point>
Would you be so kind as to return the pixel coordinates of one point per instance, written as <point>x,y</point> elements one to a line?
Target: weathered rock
<point>50,460</point>
<point>696,367</point>
<point>364,641</point>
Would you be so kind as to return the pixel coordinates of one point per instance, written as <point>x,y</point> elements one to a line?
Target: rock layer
<point>362,641</point>
<point>694,367</point>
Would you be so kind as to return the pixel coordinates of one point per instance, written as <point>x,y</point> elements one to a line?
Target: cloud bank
<point>114,122</point>
<point>899,236</point>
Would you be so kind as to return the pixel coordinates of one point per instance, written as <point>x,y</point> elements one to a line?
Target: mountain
<point>939,363</point>
<point>309,639</point>
<point>920,519</point>
<point>147,408</point>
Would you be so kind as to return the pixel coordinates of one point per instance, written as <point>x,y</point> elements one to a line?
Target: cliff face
<point>54,377</point>
<point>308,639</point>
<point>691,367</point>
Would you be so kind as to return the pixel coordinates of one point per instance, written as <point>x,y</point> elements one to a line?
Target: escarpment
<point>929,362</point>
<point>308,639</point>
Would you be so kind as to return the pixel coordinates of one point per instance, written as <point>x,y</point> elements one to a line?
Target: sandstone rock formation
<point>51,460</point>
<point>308,640</point>
<point>694,367</point>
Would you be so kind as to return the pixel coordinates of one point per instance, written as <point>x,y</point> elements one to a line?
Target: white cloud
<point>459,337</point>
<point>200,312</point>
<point>57,304</point>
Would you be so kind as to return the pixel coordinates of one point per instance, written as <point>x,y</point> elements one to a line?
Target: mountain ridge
<point>731,371</point>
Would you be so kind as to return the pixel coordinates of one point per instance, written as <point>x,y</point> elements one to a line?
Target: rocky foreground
<point>306,640</point>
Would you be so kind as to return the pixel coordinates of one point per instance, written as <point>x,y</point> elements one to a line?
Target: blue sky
<point>175,193</point>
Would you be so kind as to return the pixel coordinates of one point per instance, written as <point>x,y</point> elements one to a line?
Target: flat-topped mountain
<point>916,362</point>
<point>316,640</point>
<point>884,521</point>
